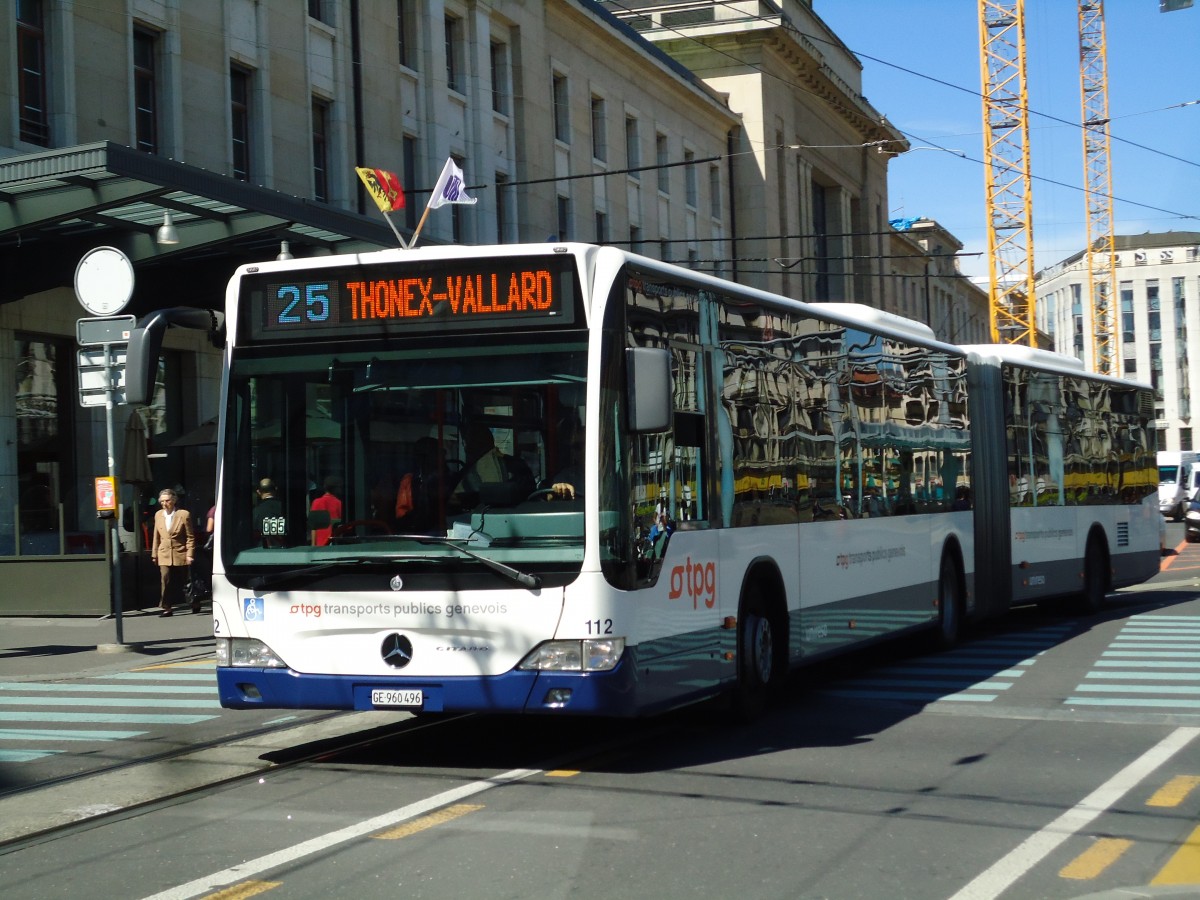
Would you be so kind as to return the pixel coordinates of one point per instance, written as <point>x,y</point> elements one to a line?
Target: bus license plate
<point>397,698</point>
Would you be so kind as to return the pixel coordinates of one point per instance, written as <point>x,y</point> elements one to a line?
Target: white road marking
<point>1003,874</point>
<point>255,867</point>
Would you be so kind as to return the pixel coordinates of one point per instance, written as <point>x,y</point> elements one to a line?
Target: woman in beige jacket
<point>173,548</point>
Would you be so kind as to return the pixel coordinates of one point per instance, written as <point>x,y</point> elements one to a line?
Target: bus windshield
<point>427,458</point>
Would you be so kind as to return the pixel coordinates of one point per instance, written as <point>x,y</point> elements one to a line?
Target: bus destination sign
<point>521,292</point>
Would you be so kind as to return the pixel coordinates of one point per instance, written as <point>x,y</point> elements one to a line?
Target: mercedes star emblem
<point>397,650</point>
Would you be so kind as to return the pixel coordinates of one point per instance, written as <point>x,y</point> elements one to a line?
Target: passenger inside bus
<point>268,515</point>
<point>567,483</point>
<point>331,503</point>
<point>420,500</point>
<point>490,476</point>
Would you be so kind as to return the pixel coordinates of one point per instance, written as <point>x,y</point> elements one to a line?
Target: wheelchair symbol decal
<point>254,609</point>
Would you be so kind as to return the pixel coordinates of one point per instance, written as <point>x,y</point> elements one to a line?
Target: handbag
<point>196,588</point>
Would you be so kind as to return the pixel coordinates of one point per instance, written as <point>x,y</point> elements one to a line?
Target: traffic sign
<point>104,281</point>
<point>107,330</point>
<point>94,376</point>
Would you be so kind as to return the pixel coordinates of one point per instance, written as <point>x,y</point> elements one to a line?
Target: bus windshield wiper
<point>522,578</point>
<point>273,579</point>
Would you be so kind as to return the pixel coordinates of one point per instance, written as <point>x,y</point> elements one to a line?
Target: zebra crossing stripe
<point>113,702</point>
<point>63,734</point>
<point>61,688</point>
<point>16,756</point>
<point>1152,661</point>
<point>89,718</point>
<point>209,677</point>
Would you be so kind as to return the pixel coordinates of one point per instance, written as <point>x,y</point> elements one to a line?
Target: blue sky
<point>917,58</point>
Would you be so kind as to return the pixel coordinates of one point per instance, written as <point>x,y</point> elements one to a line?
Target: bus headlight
<point>247,653</point>
<point>575,656</point>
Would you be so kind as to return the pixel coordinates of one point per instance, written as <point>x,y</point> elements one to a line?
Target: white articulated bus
<point>567,479</point>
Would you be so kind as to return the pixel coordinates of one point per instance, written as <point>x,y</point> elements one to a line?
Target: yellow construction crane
<point>1006,159</point>
<point>1101,253</point>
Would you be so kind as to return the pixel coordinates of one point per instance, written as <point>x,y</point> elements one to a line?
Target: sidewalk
<point>68,647</point>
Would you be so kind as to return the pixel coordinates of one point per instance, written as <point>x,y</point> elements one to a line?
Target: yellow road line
<point>1184,866</point>
<point>562,773</point>
<point>425,822</point>
<point>1095,859</point>
<point>1174,791</point>
<point>210,663</point>
<point>243,890</point>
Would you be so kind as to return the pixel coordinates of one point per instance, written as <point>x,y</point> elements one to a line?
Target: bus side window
<point>689,474</point>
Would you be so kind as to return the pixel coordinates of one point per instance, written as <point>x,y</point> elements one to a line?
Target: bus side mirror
<point>145,343</point>
<point>648,382</point>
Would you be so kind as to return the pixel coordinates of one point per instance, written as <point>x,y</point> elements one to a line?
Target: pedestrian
<point>173,548</point>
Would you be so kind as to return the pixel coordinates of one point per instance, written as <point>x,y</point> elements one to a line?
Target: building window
<point>599,130</point>
<point>145,89</point>
<point>499,57</point>
<point>635,239</point>
<point>239,110</point>
<point>320,150</point>
<point>564,218</point>
<point>45,453</point>
<point>714,191</point>
<point>502,201</point>
<point>689,178</point>
<point>1185,439</point>
<point>661,158</point>
<point>453,49</point>
<point>317,10</point>
<point>31,71</point>
<point>409,154</point>
<point>601,227</point>
<point>633,152</point>
<point>406,27</point>
<point>562,116</point>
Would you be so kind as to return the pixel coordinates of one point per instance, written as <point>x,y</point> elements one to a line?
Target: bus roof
<point>1048,360</point>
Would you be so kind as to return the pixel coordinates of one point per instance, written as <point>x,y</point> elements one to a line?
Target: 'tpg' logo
<point>697,580</point>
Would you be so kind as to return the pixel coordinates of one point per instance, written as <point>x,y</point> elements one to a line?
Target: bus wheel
<point>756,662</point>
<point>950,603</point>
<point>1095,585</point>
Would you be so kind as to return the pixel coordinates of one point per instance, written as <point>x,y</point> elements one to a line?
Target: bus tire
<point>950,602</point>
<point>1095,580</point>
<point>758,649</point>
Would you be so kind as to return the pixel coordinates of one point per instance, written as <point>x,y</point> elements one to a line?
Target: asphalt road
<point>1049,756</point>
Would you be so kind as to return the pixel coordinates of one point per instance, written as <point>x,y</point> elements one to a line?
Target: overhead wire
<point>788,24</point>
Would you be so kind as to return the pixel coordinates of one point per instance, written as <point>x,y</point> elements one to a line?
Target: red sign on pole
<point>106,497</point>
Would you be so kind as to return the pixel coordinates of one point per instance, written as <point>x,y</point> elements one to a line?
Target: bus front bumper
<point>608,693</point>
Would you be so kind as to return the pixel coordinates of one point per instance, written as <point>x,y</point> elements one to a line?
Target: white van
<point>1178,478</point>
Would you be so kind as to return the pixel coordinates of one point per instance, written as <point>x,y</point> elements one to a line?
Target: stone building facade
<point>1157,288</point>
<point>239,124</point>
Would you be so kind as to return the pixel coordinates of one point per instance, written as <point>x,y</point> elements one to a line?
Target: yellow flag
<point>384,187</point>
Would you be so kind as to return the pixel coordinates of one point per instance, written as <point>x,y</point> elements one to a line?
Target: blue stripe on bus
<point>598,693</point>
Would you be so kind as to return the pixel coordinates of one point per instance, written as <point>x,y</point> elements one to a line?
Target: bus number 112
<point>599,626</point>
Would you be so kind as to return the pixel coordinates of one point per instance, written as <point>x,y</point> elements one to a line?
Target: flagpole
<point>425,215</point>
<point>388,219</point>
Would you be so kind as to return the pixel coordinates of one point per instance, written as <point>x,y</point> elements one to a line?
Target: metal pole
<point>110,390</point>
